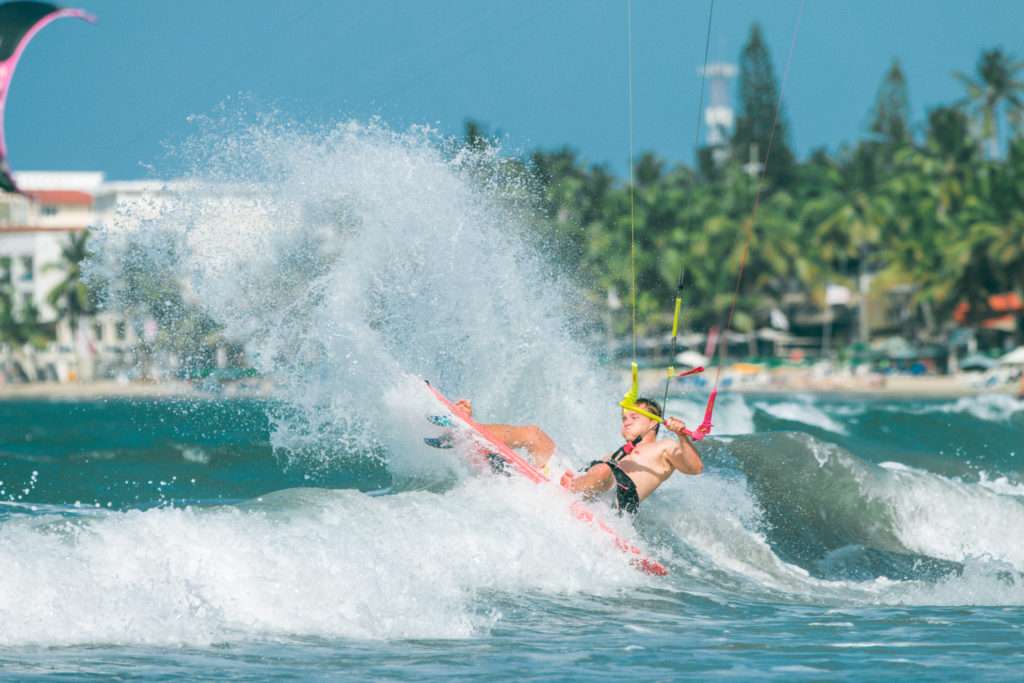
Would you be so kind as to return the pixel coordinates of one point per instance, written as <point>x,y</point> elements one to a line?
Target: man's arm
<point>597,478</point>
<point>683,455</point>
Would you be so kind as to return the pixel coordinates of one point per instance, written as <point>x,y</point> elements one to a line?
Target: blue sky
<point>113,96</point>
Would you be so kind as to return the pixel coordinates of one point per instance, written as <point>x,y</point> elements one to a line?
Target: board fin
<point>445,441</point>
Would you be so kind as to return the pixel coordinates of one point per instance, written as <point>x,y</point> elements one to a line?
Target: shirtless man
<point>635,476</point>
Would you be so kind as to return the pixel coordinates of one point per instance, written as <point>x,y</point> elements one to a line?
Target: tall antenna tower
<point>719,117</point>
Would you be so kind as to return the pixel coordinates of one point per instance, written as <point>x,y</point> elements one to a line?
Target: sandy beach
<point>806,380</point>
<point>743,380</point>
<point>113,389</point>
<point>100,389</point>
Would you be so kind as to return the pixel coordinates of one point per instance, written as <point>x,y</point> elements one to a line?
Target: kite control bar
<point>704,428</point>
<point>628,402</point>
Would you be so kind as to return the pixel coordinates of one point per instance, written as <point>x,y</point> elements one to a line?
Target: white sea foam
<point>953,520</point>
<point>982,582</point>
<point>722,545</point>
<point>1001,485</point>
<point>195,455</point>
<point>848,410</point>
<point>990,407</point>
<point>801,411</point>
<point>345,259</point>
<point>300,562</point>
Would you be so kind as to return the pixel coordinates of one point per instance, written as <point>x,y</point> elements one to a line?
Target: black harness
<point>626,497</point>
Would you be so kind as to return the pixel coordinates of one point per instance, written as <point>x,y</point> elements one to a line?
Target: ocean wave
<point>803,411</point>
<point>1000,484</point>
<point>818,497</point>
<point>420,564</point>
<point>726,548</point>
<point>299,562</point>
<point>991,407</point>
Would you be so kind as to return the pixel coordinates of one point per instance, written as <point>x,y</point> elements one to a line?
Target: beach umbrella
<point>692,359</point>
<point>894,347</point>
<point>1015,357</point>
<point>747,368</point>
<point>978,362</point>
<point>768,334</point>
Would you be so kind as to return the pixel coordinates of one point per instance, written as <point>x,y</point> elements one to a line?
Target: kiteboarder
<point>642,467</point>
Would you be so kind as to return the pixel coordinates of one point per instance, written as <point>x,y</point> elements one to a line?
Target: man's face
<point>634,424</point>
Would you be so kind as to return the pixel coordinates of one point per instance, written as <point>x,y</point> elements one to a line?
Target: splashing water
<point>350,260</point>
<point>346,258</point>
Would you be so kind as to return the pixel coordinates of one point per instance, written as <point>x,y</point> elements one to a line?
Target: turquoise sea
<point>829,539</point>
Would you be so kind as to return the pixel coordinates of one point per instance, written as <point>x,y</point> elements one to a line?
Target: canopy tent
<point>976,362</point>
<point>777,336</point>
<point>1015,357</point>
<point>691,359</point>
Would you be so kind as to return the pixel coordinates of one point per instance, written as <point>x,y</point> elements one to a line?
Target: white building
<point>719,118</point>
<point>34,228</point>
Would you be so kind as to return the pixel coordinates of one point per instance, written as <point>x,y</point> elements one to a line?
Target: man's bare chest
<point>649,461</point>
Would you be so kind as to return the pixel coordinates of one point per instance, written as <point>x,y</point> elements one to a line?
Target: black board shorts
<point>626,497</point>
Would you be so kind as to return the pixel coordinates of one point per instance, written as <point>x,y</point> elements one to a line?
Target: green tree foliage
<point>996,88</point>
<point>19,325</point>
<point>756,114</point>
<point>21,330</point>
<point>936,215</point>
<point>888,132</point>
<point>71,297</point>
<point>475,135</point>
<point>940,213</point>
<point>890,117</point>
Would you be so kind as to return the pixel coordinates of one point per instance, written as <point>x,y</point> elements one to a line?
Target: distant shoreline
<point>108,389</point>
<point>100,389</point>
<point>779,381</point>
<point>804,381</point>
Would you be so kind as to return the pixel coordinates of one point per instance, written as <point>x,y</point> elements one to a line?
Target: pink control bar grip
<point>705,427</point>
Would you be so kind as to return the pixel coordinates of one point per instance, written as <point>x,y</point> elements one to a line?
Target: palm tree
<point>1008,249</point>
<point>997,86</point>
<point>71,297</point>
<point>959,231</point>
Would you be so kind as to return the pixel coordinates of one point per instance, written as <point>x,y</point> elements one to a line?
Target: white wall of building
<point>33,231</point>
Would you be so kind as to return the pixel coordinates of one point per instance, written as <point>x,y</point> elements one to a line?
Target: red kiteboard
<point>526,469</point>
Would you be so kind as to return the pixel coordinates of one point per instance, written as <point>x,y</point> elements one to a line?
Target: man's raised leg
<point>539,445</point>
